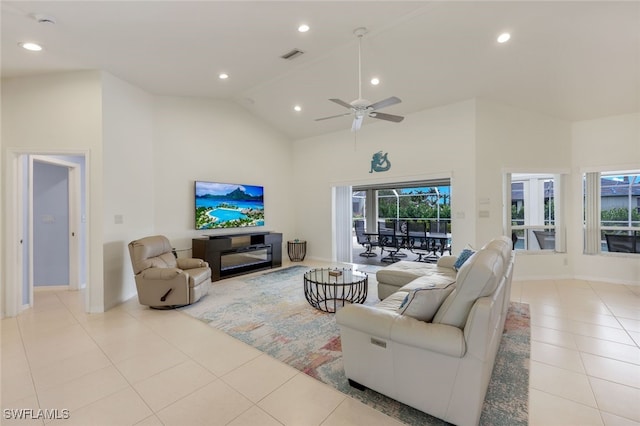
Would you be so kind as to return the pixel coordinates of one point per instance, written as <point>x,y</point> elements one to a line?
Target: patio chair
<point>365,240</point>
<point>622,243</point>
<point>390,240</point>
<point>439,227</point>
<point>418,241</point>
<point>546,239</point>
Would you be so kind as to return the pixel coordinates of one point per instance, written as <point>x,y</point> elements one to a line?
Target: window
<point>533,215</point>
<point>430,200</point>
<point>432,203</point>
<point>612,212</point>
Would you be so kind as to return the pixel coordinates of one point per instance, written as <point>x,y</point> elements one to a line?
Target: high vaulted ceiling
<point>573,60</point>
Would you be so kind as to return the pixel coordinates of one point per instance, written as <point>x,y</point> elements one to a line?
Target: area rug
<point>270,313</point>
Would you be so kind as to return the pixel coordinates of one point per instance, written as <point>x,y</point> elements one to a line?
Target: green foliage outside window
<point>618,216</point>
<point>412,207</point>
<point>517,215</point>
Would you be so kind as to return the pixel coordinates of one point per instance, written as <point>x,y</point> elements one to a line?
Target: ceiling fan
<point>362,107</point>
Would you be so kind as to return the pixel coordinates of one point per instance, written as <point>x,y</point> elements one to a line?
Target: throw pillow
<point>423,303</point>
<point>464,256</point>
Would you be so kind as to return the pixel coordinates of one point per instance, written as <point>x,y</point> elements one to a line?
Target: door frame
<point>73,180</point>
<point>14,213</point>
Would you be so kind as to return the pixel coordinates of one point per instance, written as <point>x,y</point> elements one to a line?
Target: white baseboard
<point>50,288</point>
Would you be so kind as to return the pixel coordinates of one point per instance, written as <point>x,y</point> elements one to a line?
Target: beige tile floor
<point>135,366</point>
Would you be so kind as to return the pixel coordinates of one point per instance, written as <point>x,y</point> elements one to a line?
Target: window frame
<point>534,189</point>
<point>594,228</point>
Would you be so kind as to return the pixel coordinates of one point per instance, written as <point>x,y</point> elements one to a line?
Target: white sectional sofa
<point>399,274</point>
<point>442,366</point>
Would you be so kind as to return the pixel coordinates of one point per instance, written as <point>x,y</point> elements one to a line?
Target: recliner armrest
<point>389,325</point>
<point>367,319</point>
<point>441,338</point>
<point>161,273</point>
<point>191,263</point>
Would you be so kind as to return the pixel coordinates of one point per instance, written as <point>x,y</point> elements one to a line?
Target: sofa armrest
<point>191,263</point>
<point>367,319</point>
<point>160,273</point>
<point>441,338</point>
<point>384,324</point>
<point>447,261</point>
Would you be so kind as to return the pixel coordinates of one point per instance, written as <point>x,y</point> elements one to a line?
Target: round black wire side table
<point>297,250</point>
<point>328,289</point>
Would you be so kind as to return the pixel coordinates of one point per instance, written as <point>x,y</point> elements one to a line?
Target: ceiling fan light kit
<point>360,107</point>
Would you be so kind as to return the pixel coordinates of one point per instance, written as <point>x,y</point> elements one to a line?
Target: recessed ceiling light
<point>504,37</point>
<point>303,28</point>
<point>34,47</point>
<point>297,108</point>
<point>223,76</point>
<point>375,81</point>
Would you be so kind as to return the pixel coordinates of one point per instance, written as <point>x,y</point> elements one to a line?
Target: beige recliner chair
<point>164,281</point>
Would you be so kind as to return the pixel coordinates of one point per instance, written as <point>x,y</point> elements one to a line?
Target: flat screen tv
<point>228,205</point>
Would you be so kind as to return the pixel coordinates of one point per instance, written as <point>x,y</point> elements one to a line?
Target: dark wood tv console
<point>236,254</point>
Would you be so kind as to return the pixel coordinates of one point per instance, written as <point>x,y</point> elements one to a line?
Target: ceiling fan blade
<point>357,123</point>
<point>388,117</point>
<point>341,102</point>
<point>385,103</point>
<point>333,116</point>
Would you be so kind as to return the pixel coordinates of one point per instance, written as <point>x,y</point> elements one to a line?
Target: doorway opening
<point>47,223</point>
<point>426,201</point>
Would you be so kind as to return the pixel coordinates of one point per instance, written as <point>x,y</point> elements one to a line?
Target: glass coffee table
<point>327,289</point>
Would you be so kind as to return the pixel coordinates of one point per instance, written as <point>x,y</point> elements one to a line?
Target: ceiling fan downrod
<point>360,32</point>
<point>361,108</point>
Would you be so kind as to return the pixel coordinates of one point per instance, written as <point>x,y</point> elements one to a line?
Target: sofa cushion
<point>393,302</point>
<point>478,277</point>
<point>447,261</point>
<point>428,281</point>
<point>503,245</point>
<point>403,272</point>
<point>464,256</point>
<point>423,303</point>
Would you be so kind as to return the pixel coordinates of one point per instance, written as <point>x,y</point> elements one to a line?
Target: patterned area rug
<point>270,313</point>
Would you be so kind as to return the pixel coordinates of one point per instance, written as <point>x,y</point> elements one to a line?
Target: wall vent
<point>292,54</point>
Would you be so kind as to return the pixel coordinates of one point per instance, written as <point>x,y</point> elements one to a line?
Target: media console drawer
<point>236,254</point>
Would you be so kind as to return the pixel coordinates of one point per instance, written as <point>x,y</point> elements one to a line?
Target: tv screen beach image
<point>226,205</point>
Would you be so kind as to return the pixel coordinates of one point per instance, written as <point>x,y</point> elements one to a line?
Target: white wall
<point>216,140</point>
<point>129,187</point>
<point>143,154</point>
<point>3,195</point>
<point>58,113</point>
<point>510,139</point>
<point>429,144</point>
<point>475,142</point>
<point>605,144</point>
